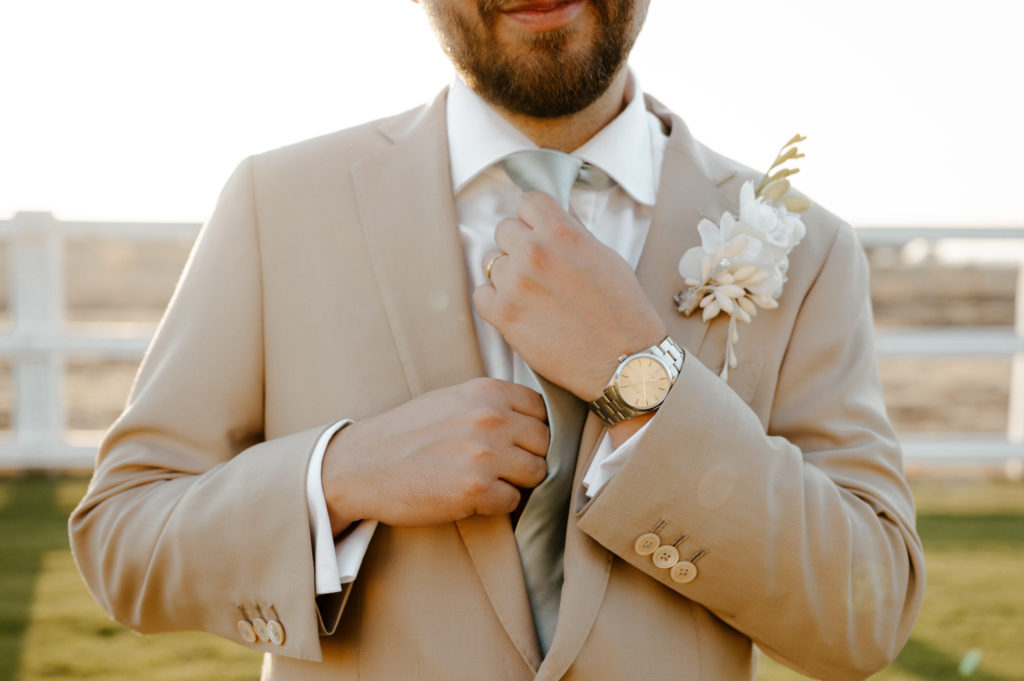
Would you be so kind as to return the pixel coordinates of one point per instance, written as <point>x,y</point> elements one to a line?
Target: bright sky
<point>139,110</point>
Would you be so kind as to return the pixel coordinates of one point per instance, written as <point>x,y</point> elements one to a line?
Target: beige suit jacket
<point>329,283</point>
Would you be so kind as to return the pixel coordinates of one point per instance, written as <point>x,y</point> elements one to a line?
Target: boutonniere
<point>742,261</point>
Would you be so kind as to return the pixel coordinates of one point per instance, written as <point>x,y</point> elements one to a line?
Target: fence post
<point>37,309</point>
<point>1015,422</point>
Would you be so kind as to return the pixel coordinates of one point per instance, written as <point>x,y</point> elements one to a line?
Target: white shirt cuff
<point>332,565</point>
<point>608,460</point>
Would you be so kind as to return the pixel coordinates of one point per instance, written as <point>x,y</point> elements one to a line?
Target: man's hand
<point>443,456</point>
<point>568,304</point>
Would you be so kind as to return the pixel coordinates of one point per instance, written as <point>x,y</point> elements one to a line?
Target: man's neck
<point>571,132</point>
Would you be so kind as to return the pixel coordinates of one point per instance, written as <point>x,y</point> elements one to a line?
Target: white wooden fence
<point>38,342</point>
<point>991,450</point>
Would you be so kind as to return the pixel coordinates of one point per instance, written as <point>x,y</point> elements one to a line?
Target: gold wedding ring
<point>490,264</point>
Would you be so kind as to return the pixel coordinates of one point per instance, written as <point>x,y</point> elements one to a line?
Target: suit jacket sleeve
<point>806,519</point>
<point>190,514</point>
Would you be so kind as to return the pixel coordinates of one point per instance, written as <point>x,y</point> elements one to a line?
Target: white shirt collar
<point>479,137</point>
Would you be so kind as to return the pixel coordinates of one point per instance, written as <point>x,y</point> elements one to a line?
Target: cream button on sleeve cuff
<point>646,544</point>
<point>665,556</point>
<point>683,572</point>
<point>246,631</point>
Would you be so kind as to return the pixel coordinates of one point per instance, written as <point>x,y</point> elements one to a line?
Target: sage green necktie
<point>540,532</point>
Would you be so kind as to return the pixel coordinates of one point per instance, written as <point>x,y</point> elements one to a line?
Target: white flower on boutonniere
<point>741,263</point>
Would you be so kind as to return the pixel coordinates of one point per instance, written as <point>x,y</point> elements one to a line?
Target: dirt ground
<point>132,282</point>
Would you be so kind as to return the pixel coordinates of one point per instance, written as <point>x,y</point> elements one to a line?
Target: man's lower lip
<point>540,20</point>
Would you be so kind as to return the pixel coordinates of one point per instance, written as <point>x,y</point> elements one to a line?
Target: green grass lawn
<point>51,629</point>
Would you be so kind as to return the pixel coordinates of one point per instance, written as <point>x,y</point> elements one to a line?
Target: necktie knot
<point>554,172</point>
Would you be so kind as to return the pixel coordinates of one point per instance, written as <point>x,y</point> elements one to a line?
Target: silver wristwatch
<point>640,384</point>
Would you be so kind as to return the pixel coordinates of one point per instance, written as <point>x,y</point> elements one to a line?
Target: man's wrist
<point>622,431</point>
<point>341,491</point>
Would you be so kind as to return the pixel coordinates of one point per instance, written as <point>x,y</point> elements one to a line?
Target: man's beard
<point>552,79</point>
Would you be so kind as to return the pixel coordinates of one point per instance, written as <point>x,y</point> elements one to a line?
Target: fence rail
<point>39,342</point>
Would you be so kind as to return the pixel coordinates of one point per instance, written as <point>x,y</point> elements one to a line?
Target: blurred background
<point>119,122</point>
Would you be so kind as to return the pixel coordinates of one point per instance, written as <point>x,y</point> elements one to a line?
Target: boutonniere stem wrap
<point>741,263</point>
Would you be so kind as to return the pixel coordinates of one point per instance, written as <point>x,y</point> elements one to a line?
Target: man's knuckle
<point>523,284</point>
<point>482,395</point>
<point>482,297</point>
<point>474,485</point>
<point>511,501</point>
<point>566,233</point>
<point>486,417</point>
<point>509,312</point>
<point>482,388</point>
<point>500,499</point>
<point>537,255</point>
<point>478,455</point>
<point>538,469</point>
<point>505,228</point>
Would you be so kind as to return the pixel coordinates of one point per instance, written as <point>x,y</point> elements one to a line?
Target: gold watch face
<point>643,383</point>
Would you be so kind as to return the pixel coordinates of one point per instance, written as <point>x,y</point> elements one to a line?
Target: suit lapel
<point>408,214</point>
<point>492,546</point>
<point>688,191</point>
<point>405,201</point>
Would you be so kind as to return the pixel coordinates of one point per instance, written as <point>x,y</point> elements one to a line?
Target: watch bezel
<point>666,369</point>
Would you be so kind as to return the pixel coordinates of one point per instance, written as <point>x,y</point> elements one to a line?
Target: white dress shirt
<point>630,149</point>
